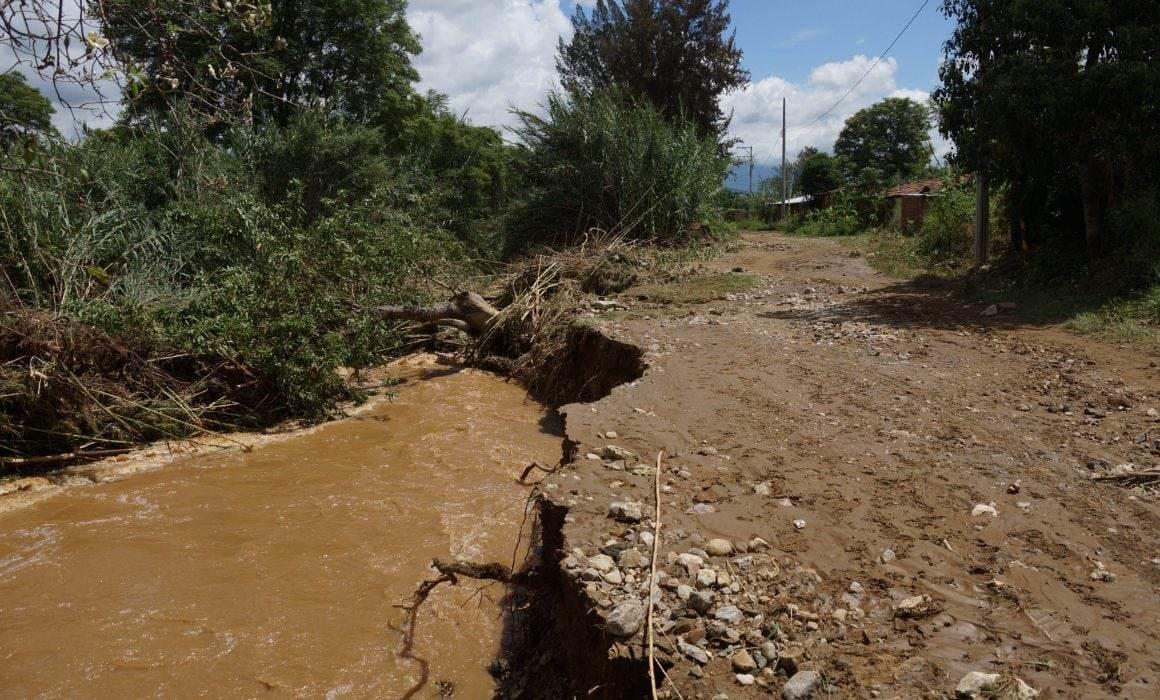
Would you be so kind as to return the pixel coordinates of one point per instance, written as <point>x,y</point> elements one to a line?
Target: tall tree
<point>891,137</point>
<point>678,54</point>
<point>817,173</point>
<point>24,112</point>
<point>267,59</point>
<point>1054,96</point>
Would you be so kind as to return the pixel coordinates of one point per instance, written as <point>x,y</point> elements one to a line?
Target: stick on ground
<point>652,576</point>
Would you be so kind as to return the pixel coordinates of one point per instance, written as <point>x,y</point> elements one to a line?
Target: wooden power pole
<point>982,217</point>
<point>784,181</point>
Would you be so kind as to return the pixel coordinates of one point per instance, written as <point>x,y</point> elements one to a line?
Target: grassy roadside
<point>1047,290</point>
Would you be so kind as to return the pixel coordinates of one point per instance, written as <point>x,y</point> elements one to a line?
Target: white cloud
<point>757,109</point>
<point>489,55</point>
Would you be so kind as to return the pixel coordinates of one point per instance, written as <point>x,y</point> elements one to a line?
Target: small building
<point>910,201</point>
<point>794,206</point>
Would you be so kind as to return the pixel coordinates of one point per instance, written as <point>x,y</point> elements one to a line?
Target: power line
<point>867,73</point>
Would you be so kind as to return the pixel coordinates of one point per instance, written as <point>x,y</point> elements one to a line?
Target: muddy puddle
<point>277,572</point>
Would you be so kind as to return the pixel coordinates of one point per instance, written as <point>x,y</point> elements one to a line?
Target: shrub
<point>230,251</point>
<point>612,163</point>
<point>839,219</point>
<point>947,233</point>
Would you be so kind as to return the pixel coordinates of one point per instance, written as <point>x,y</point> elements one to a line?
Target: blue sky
<point>790,38</point>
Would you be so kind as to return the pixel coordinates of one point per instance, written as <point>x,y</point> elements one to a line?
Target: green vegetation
<point>676,55</point>
<point>613,163</point>
<point>695,290</point>
<point>1060,110</point>
<point>25,114</point>
<point>215,258</point>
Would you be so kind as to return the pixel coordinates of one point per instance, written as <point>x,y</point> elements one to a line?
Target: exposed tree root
<point>449,572</point>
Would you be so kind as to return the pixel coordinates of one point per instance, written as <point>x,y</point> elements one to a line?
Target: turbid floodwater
<point>278,571</point>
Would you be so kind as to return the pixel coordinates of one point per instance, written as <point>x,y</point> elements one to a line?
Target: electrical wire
<point>864,75</point>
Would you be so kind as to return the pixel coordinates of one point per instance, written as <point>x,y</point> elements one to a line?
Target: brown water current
<point>277,572</point>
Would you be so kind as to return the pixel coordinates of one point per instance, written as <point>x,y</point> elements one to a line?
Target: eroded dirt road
<point>855,424</point>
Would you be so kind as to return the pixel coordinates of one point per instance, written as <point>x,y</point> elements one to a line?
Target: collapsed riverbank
<point>867,489</point>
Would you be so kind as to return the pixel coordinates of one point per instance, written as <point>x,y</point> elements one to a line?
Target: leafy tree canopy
<point>817,172</point>
<point>264,60</point>
<point>1054,96</point>
<point>678,54</point>
<point>891,137</point>
<point>23,111</point>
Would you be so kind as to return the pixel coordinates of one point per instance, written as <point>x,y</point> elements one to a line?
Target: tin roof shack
<point>794,206</point>
<point>910,201</point>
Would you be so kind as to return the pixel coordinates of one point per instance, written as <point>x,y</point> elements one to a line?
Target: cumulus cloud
<point>757,109</point>
<point>489,55</point>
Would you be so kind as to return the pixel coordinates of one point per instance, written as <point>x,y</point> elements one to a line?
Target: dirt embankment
<point>869,490</point>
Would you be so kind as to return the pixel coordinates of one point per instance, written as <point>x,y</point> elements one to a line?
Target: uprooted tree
<point>466,311</point>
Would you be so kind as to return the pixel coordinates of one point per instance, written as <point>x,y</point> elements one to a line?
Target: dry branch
<point>467,311</point>
<point>65,457</point>
<point>652,578</point>
<point>1141,478</point>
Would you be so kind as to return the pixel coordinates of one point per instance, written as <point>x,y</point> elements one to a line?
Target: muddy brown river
<point>277,572</point>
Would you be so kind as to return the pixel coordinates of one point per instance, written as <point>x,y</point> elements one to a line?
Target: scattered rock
<point>745,679</point>
<point>719,547</point>
<point>605,305</point>
<point>789,660</point>
<point>691,562</point>
<point>593,456</point>
<point>706,578</point>
<point>614,452</point>
<point>625,619</point>
<point>769,651</point>
<point>888,556</point>
<point>985,509</point>
<point>701,509</point>
<point>693,651</point>
<point>991,310</point>
<point>632,559</point>
<point>801,686</point>
<point>743,662</point>
<point>1153,413</point>
<point>1015,487</point>
<point>684,592</point>
<point>614,577</point>
<point>1100,573</point>
<point>977,684</point>
<point>701,601</point>
<point>729,613</point>
<point>646,538</point>
<point>625,512</point>
<point>799,524</point>
<point>707,451</point>
<point>762,489</point>
<point>918,606</point>
<point>757,544</point>
<point>602,563</point>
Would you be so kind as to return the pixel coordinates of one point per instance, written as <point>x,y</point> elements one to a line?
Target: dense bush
<point>839,219</point>
<point>613,163</point>
<point>947,233</point>
<point>263,248</point>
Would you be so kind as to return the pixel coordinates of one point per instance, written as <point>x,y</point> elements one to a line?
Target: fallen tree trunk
<point>467,311</point>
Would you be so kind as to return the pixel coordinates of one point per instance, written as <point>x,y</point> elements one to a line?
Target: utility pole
<point>749,202</point>
<point>784,182</point>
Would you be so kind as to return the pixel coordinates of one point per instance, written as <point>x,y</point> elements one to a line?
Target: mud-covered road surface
<point>922,475</point>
